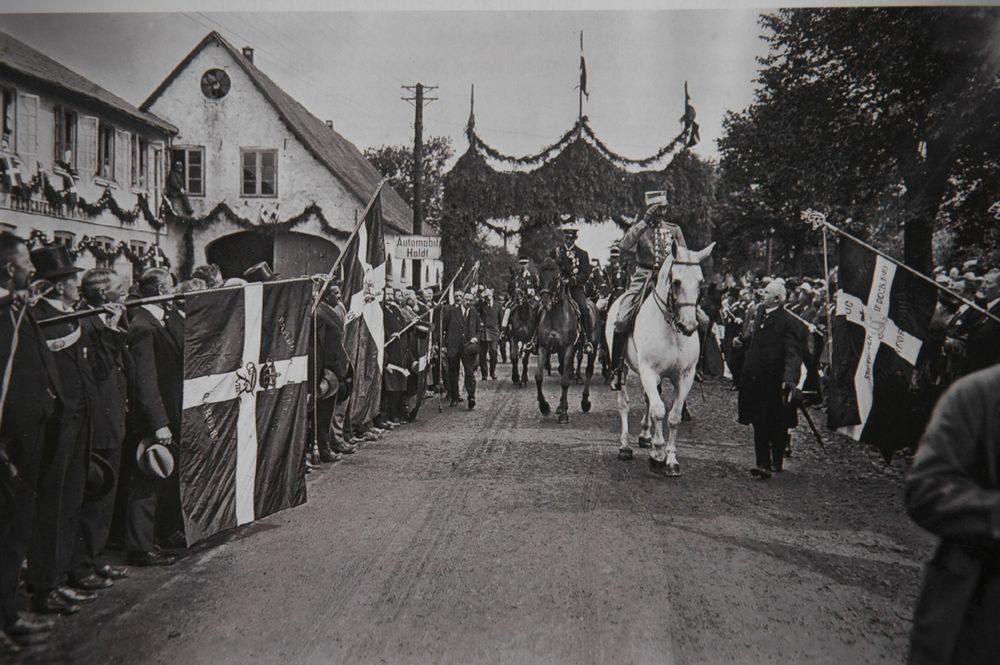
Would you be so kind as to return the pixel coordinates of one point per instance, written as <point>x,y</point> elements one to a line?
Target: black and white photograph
<point>542,333</point>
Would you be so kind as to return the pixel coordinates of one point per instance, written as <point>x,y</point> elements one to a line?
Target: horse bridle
<point>669,307</point>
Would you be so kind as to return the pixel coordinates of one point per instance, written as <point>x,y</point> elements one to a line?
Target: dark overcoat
<point>774,356</point>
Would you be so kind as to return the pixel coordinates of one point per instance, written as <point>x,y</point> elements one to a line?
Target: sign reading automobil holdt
<point>417,247</point>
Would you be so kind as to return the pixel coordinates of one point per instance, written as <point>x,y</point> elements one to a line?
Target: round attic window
<point>215,84</point>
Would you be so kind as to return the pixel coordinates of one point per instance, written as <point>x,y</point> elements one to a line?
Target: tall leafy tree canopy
<point>885,118</point>
<point>395,162</point>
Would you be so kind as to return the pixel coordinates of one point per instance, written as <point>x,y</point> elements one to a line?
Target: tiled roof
<point>341,157</point>
<point>19,58</point>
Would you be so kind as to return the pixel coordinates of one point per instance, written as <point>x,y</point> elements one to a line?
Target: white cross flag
<point>243,427</point>
<point>880,322</point>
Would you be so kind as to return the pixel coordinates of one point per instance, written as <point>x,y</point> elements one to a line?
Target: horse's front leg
<point>567,369</point>
<point>543,356</point>
<point>515,351</point>
<point>585,400</point>
<point>645,434</point>
<point>525,357</point>
<point>683,388</point>
<point>624,449</point>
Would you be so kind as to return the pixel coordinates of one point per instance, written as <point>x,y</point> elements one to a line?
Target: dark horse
<point>559,335</point>
<point>521,325</point>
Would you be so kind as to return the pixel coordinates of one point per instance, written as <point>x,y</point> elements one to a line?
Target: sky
<point>349,66</point>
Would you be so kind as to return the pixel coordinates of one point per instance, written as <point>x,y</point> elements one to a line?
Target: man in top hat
<point>30,404</point>
<point>62,480</point>
<point>650,240</point>
<point>260,272</point>
<point>574,267</point>
<point>156,342</point>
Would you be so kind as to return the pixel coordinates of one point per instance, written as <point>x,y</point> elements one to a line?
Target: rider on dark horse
<point>573,265</point>
<point>650,241</point>
<point>617,272</point>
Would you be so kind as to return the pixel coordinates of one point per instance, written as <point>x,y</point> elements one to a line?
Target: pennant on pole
<point>689,119</point>
<point>583,71</point>
<point>879,326</point>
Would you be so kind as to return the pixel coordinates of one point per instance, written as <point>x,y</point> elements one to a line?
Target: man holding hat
<point>463,331</point>
<point>650,241</point>
<point>156,342</point>
<point>769,392</point>
<point>63,479</point>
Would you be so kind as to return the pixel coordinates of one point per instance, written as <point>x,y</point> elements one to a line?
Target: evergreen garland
<point>140,260</point>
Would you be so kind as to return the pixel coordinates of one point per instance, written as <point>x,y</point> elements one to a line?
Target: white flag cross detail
<point>873,315</point>
<point>251,377</point>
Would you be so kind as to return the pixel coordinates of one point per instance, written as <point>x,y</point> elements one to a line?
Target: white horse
<point>662,344</point>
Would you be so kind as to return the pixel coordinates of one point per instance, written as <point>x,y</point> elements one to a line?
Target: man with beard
<point>26,413</point>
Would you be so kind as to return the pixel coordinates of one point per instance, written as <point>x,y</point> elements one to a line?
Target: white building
<point>78,163</point>
<point>267,180</point>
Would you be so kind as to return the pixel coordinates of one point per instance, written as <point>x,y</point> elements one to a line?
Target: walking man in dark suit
<point>27,410</point>
<point>489,312</point>
<point>156,342</point>
<point>768,393</point>
<point>463,330</point>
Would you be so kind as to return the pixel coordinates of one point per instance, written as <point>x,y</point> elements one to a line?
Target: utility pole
<point>418,100</point>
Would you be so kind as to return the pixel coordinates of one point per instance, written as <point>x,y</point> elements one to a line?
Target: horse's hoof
<point>625,454</point>
<point>658,467</point>
<point>673,470</point>
<point>645,442</point>
<point>585,405</point>
<point>544,408</point>
<point>563,418</point>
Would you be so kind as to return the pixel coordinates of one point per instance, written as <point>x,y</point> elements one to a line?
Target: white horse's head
<point>678,286</point>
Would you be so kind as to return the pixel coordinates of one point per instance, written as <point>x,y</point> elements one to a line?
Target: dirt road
<point>498,536</point>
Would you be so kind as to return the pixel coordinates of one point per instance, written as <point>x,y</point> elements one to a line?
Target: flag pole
<point>340,259</point>
<point>818,220</point>
<point>396,335</point>
<point>829,306</point>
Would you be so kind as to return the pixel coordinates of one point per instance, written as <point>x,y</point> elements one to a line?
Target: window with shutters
<point>157,178</point>
<point>8,120</point>
<point>138,246</point>
<point>260,172</point>
<point>123,147</point>
<point>106,152</point>
<point>87,145</point>
<point>27,130</point>
<point>140,164</point>
<point>105,245</point>
<point>192,160</point>
<point>64,238</point>
<point>65,137</point>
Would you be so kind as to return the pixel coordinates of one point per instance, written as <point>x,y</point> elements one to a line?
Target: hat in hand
<point>154,458</point>
<point>100,478</point>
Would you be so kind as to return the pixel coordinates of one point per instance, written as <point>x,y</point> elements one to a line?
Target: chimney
<point>329,123</point>
<point>248,53</point>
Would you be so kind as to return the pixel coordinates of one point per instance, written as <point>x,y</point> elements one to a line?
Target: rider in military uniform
<point>574,266</point>
<point>617,272</point>
<point>598,286</point>
<point>650,241</point>
<point>524,279</point>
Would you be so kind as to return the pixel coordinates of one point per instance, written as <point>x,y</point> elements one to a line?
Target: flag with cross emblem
<point>243,429</point>
<point>880,323</point>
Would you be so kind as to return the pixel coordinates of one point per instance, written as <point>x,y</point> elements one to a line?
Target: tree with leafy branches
<point>395,162</point>
<point>885,118</point>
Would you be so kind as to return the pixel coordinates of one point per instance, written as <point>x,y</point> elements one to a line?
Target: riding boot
<point>617,352</point>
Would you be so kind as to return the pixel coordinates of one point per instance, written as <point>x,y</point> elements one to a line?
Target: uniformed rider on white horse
<point>650,241</point>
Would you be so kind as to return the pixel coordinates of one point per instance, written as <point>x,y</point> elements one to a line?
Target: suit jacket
<point>158,353</point>
<point>330,341</point>
<point>774,356</point>
<point>71,347</point>
<point>459,329</point>
<point>397,353</point>
<point>35,388</point>
<point>113,374</point>
<point>982,347</point>
<point>490,315</point>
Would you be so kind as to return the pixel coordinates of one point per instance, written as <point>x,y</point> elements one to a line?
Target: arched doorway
<point>291,254</point>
